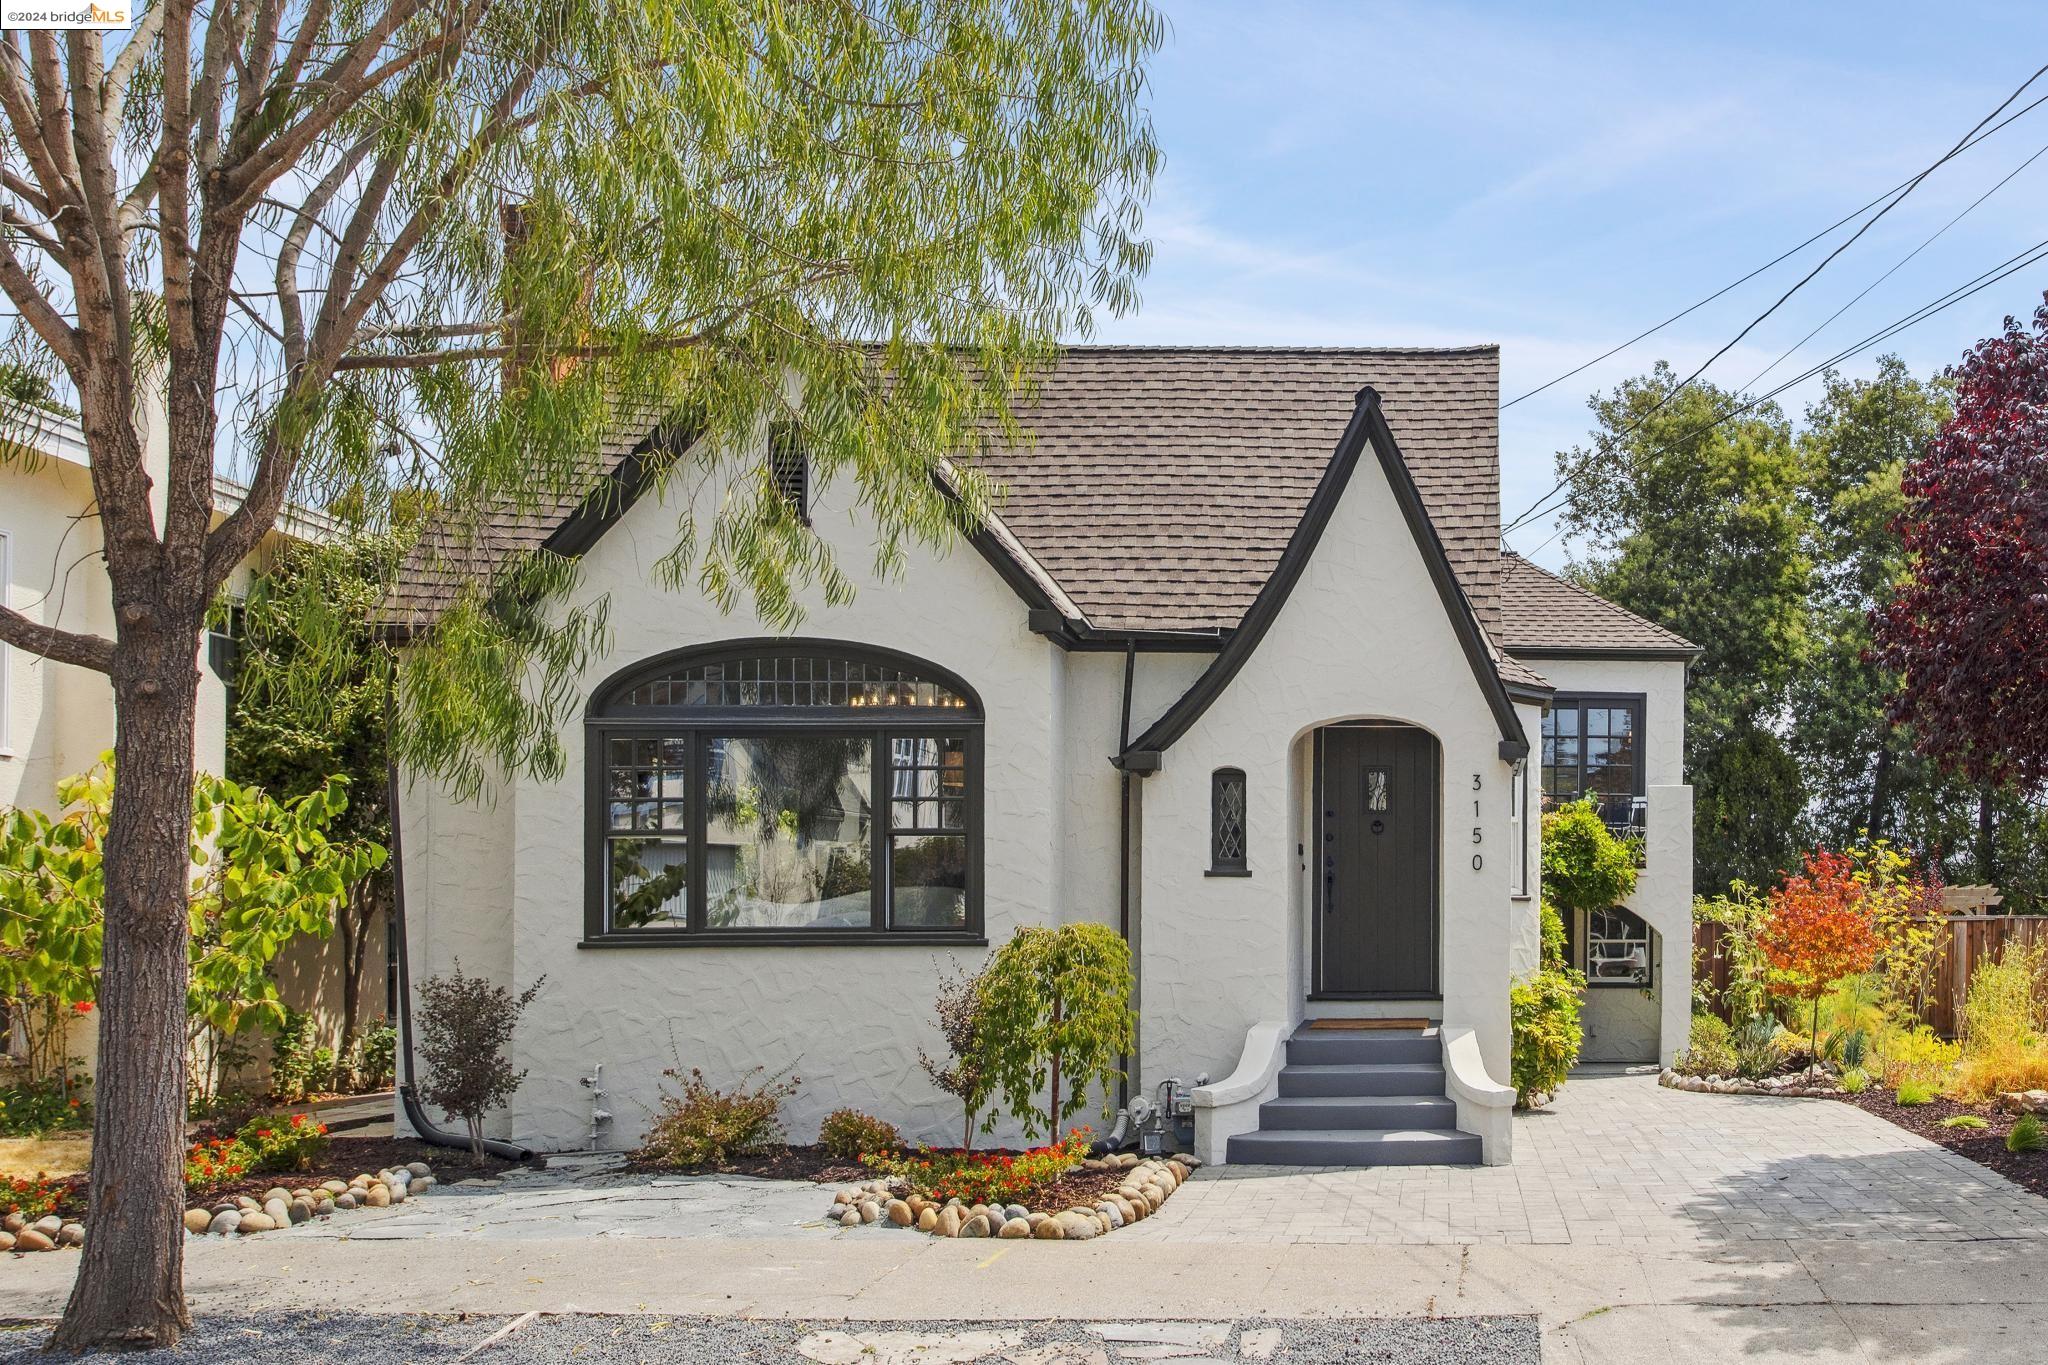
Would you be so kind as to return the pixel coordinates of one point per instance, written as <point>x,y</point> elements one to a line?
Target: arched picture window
<point>1227,824</point>
<point>1618,949</point>
<point>784,791</point>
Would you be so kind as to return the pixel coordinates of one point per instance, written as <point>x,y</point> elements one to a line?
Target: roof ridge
<point>1235,348</point>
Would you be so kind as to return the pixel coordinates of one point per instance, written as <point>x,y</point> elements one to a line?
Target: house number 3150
<point>1478,860</point>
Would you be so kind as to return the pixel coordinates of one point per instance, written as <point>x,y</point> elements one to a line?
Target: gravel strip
<point>307,1338</point>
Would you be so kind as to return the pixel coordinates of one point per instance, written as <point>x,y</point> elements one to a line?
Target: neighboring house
<point>1239,669</point>
<point>57,720</point>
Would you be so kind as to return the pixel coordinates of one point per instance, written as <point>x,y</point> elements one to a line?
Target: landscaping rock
<point>843,1197</point>
<point>869,1211</point>
<point>256,1222</point>
<point>225,1222</point>
<point>849,1218</point>
<point>28,1239</point>
<point>977,1226</point>
<point>2024,1101</point>
<point>1015,1228</point>
<point>379,1197</point>
<point>1075,1227</point>
<point>899,1213</point>
<point>928,1221</point>
<point>421,1184</point>
<point>323,1208</point>
<point>345,1202</point>
<point>949,1221</point>
<point>1049,1231</point>
<point>247,1205</point>
<point>279,1193</point>
<point>71,1235</point>
<point>418,1168</point>
<point>48,1224</point>
<point>6,1241</point>
<point>1111,1212</point>
<point>337,1188</point>
<point>300,1210</point>
<point>13,1222</point>
<point>1015,1211</point>
<point>197,1221</point>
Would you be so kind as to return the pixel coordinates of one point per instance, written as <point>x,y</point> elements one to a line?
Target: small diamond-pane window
<point>1226,821</point>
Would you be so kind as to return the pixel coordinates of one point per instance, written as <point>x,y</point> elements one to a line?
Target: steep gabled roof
<point>1548,617</point>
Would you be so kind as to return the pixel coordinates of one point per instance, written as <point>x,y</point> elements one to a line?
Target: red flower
<point>82,1007</point>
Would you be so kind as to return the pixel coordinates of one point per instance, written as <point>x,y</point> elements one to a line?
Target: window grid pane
<point>1227,820</point>
<point>795,681</point>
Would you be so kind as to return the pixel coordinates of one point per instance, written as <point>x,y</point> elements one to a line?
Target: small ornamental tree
<point>1821,928</point>
<point>466,1024</point>
<point>1056,1018</point>
<point>1968,630</point>
<point>960,1075</point>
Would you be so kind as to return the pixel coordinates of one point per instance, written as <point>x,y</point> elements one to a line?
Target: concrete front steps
<point>1374,1097</point>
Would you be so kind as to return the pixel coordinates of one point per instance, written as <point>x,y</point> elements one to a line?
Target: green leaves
<point>263,872</point>
<point>1584,866</point>
<point>1055,1010</point>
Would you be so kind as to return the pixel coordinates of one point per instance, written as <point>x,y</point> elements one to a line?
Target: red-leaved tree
<point>1821,927</point>
<point>1968,631</point>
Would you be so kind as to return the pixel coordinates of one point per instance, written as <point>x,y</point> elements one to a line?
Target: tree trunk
<point>1880,786</point>
<point>1053,1114</point>
<point>1987,844</point>
<point>130,1288</point>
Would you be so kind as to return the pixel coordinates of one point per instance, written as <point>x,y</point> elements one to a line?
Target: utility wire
<point>1895,200</point>
<point>2012,265</point>
<point>1850,217</point>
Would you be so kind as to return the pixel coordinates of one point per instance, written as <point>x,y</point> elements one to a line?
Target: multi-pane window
<point>1592,747</point>
<point>1226,823</point>
<point>788,791</point>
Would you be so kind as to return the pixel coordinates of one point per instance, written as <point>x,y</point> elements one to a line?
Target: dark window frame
<point>1219,865</point>
<point>1636,703</point>
<point>608,718</point>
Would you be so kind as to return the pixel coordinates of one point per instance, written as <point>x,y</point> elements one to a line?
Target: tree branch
<point>48,642</point>
<point>40,314</point>
<point>114,89</point>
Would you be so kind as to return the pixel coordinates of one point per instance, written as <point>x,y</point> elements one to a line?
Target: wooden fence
<point>1971,939</point>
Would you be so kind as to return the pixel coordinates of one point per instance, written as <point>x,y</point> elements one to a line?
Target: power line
<point>2012,265</point>
<point>1850,217</point>
<point>1896,198</point>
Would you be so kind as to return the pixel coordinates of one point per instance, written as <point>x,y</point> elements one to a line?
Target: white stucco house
<point>1239,669</point>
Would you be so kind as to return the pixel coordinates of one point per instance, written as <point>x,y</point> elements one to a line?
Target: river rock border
<point>1147,1184</point>
<point>1792,1086</point>
<point>48,1233</point>
<point>243,1216</point>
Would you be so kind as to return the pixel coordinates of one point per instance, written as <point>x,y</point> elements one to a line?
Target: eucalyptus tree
<point>345,249</point>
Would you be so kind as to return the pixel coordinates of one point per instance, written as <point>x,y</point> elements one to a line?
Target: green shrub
<point>1584,866</point>
<point>1913,1092</point>
<point>1756,1048</point>
<point>1970,1121</point>
<point>706,1126</point>
<point>45,1106</point>
<point>850,1135</point>
<point>2027,1135</point>
<point>1055,1010</point>
<point>373,1057</point>
<point>283,1142</point>
<point>1547,1032</point>
<point>214,1162</point>
<point>300,1064</point>
<point>1855,1080</point>
<point>1710,1048</point>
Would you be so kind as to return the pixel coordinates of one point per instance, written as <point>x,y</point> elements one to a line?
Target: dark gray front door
<point>1376,912</point>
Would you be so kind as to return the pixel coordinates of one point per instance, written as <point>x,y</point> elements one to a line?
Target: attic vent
<point>789,468</point>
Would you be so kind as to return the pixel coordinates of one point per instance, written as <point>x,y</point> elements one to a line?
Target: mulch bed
<point>811,1163</point>
<point>1985,1146</point>
<point>348,1156</point>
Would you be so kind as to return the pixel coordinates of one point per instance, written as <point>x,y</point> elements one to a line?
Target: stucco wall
<point>1654,1027</point>
<point>1363,635</point>
<point>847,1020</point>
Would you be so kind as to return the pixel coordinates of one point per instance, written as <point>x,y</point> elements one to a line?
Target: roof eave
<point>1679,653</point>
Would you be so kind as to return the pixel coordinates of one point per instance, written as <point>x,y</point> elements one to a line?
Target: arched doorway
<point>1378,794</point>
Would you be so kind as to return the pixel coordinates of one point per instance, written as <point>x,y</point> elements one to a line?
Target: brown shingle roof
<point>1544,614</point>
<point>1162,483</point>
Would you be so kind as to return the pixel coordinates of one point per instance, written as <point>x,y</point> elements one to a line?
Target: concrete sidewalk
<point>1809,1301</point>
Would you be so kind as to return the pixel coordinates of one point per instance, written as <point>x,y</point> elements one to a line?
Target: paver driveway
<point>1619,1160</point>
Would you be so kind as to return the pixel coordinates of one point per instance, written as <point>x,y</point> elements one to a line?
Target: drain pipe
<point>407,1094</point>
<point>1125,889</point>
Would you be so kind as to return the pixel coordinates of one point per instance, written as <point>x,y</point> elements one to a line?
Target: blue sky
<point>1556,178</point>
